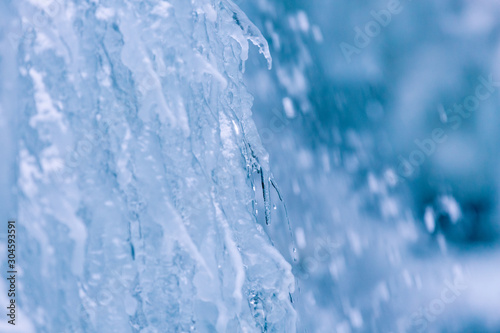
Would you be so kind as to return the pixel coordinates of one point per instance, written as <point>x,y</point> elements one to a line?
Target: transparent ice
<point>135,157</point>
<point>220,166</point>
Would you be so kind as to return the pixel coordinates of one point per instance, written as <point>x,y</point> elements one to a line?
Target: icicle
<point>250,32</point>
<point>273,183</point>
<point>275,186</point>
<point>266,194</point>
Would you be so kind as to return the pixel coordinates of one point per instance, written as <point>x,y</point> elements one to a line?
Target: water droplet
<point>274,207</point>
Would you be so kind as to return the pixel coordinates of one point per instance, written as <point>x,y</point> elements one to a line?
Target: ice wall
<point>131,154</point>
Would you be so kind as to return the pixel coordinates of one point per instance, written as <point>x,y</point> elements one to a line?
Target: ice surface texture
<point>129,131</point>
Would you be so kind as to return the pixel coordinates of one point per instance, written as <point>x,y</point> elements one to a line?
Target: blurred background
<point>383,214</point>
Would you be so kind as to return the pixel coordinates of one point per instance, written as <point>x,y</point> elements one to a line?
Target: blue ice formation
<point>132,165</point>
<point>144,176</point>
